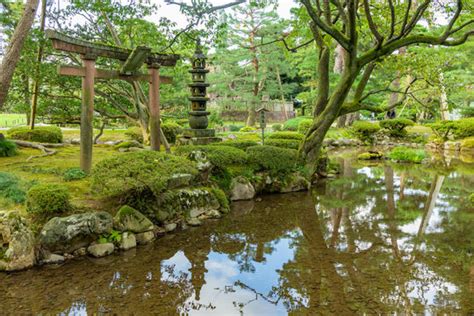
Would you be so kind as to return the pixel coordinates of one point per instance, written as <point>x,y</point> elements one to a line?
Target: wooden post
<point>87,113</point>
<point>154,106</point>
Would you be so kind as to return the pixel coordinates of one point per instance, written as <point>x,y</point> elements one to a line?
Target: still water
<point>380,238</point>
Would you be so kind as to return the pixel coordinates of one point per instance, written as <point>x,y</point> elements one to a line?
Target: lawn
<point>10,120</point>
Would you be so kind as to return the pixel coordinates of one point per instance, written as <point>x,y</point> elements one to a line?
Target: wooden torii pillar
<point>132,61</point>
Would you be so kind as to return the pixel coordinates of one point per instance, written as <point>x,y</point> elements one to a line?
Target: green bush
<point>7,148</point>
<point>73,174</point>
<point>134,133</point>
<point>365,131</point>
<point>273,158</point>
<point>128,144</point>
<point>292,124</point>
<point>220,156</point>
<point>396,127</point>
<point>130,174</point>
<point>41,134</point>
<point>247,129</point>
<point>286,135</point>
<point>370,156</point>
<point>283,143</point>
<point>221,197</point>
<point>454,129</point>
<point>277,127</point>
<point>240,144</point>
<point>235,128</point>
<point>467,112</point>
<point>48,199</point>
<point>12,188</point>
<point>304,125</point>
<point>405,154</point>
<point>183,122</point>
<point>171,130</point>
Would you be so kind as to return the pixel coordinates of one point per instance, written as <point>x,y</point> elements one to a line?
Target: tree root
<point>43,147</point>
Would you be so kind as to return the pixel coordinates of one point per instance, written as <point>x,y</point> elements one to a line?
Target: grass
<point>10,120</point>
<point>109,134</point>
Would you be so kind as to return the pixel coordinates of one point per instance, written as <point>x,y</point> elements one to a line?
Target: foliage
<point>41,134</point>
<point>221,197</point>
<point>128,144</point>
<point>369,156</point>
<point>292,124</point>
<point>240,144</point>
<point>134,133</point>
<point>235,128</point>
<point>272,158</point>
<point>171,130</point>
<point>114,237</point>
<point>277,127</point>
<point>130,174</point>
<point>405,154</point>
<point>47,199</point>
<point>304,126</point>
<point>365,130</point>
<point>286,135</point>
<point>12,188</point>
<point>467,142</point>
<point>396,126</point>
<point>284,143</point>
<point>467,112</point>
<point>220,156</point>
<point>73,174</point>
<point>454,129</point>
<point>247,129</point>
<point>7,148</point>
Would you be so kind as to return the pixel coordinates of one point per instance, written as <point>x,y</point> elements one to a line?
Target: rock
<point>80,252</point>
<point>179,180</point>
<point>75,141</point>
<point>170,227</point>
<point>123,150</point>
<point>112,142</point>
<point>144,238</point>
<point>196,212</point>
<point>53,259</point>
<point>101,250</point>
<point>129,219</point>
<point>135,149</point>
<point>67,234</point>
<point>213,214</point>
<point>202,162</point>
<point>17,243</point>
<point>128,241</point>
<point>241,189</point>
<point>296,183</point>
<point>193,222</point>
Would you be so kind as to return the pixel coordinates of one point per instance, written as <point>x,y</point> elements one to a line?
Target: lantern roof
<point>198,54</point>
<point>262,109</point>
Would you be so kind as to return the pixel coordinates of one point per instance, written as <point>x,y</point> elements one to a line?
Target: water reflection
<point>378,239</point>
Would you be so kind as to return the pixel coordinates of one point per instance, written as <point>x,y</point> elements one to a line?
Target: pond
<point>380,238</point>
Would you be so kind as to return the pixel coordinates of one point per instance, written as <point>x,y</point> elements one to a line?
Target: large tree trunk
<point>13,50</point>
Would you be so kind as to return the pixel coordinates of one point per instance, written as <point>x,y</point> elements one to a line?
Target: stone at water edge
<point>145,238</point>
<point>193,222</point>
<point>53,259</point>
<point>128,241</point>
<point>17,243</point>
<point>129,219</point>
<point>241,189</point>
<point>214,214</point>
<point>67,234</point>
<point>170,227</point>
<point>101,250</point>
<point>296,183</point>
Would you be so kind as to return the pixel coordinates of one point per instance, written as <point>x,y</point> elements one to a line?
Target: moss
<point>171,130</point>
<point>220,156</point>
<point>277,127</point>
<point>134,133</point>
<point>221,198</point>
<point>304,126</point>
<point>365,131</point>
<point>286,135</point>
<point>41,134</point>
<point>128,144</point>
<point>12,188</point>
<point>405,154</point>
<point>467,142</point>
<point>396,127</point>
<point>272,158</point>
<point>284,143</point>
<point>7,148</point>
<point>471,198</point>
<point>247,129</point>
<point>48,199</point>
<point>73,174</point>
<point>370,156</point>
<point>240,144</point>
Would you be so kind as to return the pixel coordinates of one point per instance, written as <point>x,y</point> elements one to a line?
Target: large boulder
<point>17,242</point>
<point>295,183</point>
<point>129,219</point>
<point>66,234</point>
<point>241,189</point>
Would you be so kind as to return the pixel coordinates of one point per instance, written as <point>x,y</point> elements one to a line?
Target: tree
<point>369,32</point>
<point>13,51</point>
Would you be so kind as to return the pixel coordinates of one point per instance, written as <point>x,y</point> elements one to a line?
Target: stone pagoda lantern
<point>198,133</point>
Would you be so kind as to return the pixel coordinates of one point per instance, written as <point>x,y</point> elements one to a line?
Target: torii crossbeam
<point>132,61</point>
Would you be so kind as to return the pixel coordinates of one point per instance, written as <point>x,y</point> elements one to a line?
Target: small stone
<point>80,252</point>
<point>128,241</point>
<point>193,221</point>
<point>196,212</point>
<point>144,238</point>
<point>170,227</point>
<point>53,259</point>
<point>123,150</point>
<point>101,250</point>
<point>258,199</point>
<point>214,214</point>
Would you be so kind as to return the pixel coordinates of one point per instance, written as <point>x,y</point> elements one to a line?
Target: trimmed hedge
<point>171,130</point>
<point>48,199</point>
<point>273,158</point>
<point>365,130</point>
<point>41,134</point>
<point>304,126</point>
<point>7,148</point>
<point>396,127</point>
<point>220,156</point>
<point>240,144</point>
<point>286,135</point>
<point>454,129</point>
<point>131,173</point>
<point>284,143</point>
<point>292,124</point>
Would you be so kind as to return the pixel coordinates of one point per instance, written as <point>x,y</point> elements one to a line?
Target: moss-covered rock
<point>129,219</point>
<point>171,130</point>
<point>241,189</point>
<point>370,155</point>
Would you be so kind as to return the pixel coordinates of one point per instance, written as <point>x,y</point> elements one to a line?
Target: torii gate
<point>132,61</point>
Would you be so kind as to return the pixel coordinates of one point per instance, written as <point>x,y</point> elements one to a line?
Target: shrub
<point>47,199</point>
<point>396,127</point>
<point>365,130</point>
<point>128,144</point>
<point>454,129</point>
<point>292,124</point>
<point>11,188</point>
<point>132,173</point>
<point>304,126</point>
<point>72,174</point>
<point>277,127</point>
<point>240,144</point>
<point>405,154</point>
<point>248,129</point>
<point>220,156</point>
<point>171,130</point>
<point>134,133</point>
<point>221,197</point>
<point>41,134</point>
<point>283,143</point>
<point>7,148</point>
<point>273,158</point>
<point>235,128</point>
<point>183,122</point>
<point>286,135</point>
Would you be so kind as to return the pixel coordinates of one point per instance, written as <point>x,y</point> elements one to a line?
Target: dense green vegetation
<point>41,134</point>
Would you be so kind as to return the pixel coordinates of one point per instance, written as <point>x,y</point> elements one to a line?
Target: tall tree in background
<point>13,51</point>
